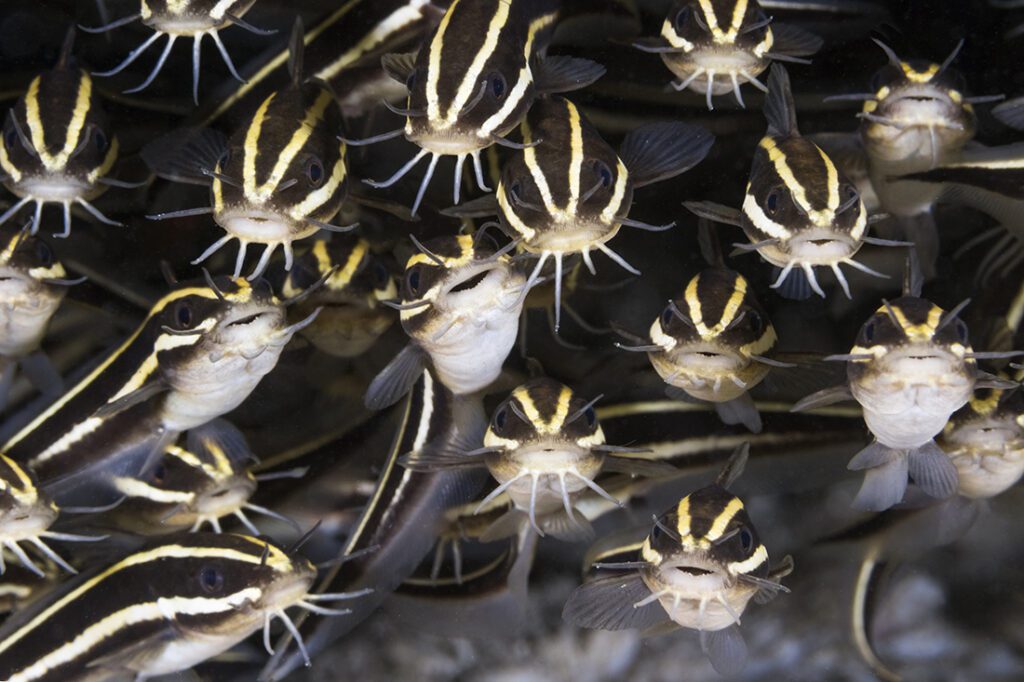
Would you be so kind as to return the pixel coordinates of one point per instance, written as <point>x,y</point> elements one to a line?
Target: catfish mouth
<point>262,226</point>
<point>187,25</point>
<point>923,105</point>
<point>250,325</point>
<point>574,234</point>
<point>23,524</point>
<point>693,573</point>
<point>454,141</point>
<point>225,499</point>
<point>552,456</point>
<point>474,286</point>
<point>991,435</point>
<point>288,588</point>
<point>821,246</point>
<point>55,188</point>
<point>704,358</point>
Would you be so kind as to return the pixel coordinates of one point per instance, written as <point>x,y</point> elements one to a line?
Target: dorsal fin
<point>710,247</point>
<point>296,47</point>
<point>734,467</point>
<point>913,278</point>
<point>779,107</point>
<point>64,61</point>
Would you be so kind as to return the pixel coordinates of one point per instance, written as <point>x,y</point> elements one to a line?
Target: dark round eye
<point>497,84</point>
<point>850,191</point>
<point>666,317</point>
<point>755,321</point>
<point>10,138</point>
<point>771,202</point>
<point>410,82</point>
<point>211,579</point>
<point>603,172</point>
<point>869,332</point>
<point>262,289</point>
<point>746,539</point>
<point>591,416</point>
<point>656,531</point>
<point>159,473</point>
<point>682,16</point>
<point>500,418</point>
<point>44,254</point>
<point>183,315</point>
<point>380,275</point>
<point>99,140</point>
<point>315,172</point>
<point>961,331</point>
<point>412,280</point>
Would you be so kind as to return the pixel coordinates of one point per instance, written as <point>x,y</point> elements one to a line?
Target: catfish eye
<point>666,317</point>
<point>497,85</point>
<point>314,172</point>
<point>961,331</point>
<point>410,82</point>
<point>412,280</point>
<point>603,172</point>
<point>44,254</point>
<point>211,579</point>
<point>869,332</point>
<point>159,474</point>
<point>656,531</point>
<point>849,191</point>
<point>99,140</point>
<point>500,419</point>
<point>183,315</point>
<point>261,289</point>
<point>682,16</point>
<point>756,322</point>
<point>10,138</point>
<point>746,539</point>
<point>591,416</point>
<point>771,202</point>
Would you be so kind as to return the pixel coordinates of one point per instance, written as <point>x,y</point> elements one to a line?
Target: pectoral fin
<point>563,74</point>
<point>609,603</point>
<point>396,379</point>
<point>933,471</point>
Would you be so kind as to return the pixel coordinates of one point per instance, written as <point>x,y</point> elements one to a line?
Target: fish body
<point>163,608</point>
<point>460,306</point>
<point>698,569</point>
<point>198,354</point>
<point>732,39</point>
<point>475,78</point>
<point>712,342</point>
<point>58,146</point>
<point>352,318</point>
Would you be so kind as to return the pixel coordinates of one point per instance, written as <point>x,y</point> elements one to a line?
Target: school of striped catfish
<point>419,312</point>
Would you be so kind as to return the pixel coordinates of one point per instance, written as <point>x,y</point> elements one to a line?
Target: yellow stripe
<point>204,292</point>
<point>298,139</point>
<point>317,198</point>
<point>275,559</point>
<point>74,129</point>
<point>729,312</point>
<point>434,65</point>
<point>471,80</point>
<point>251,147</point>
<point>575,158</point>
<point>759,556</point>
<point>523,81</point>
<point>917,332</point>
<point>163,608</point>
<point>722,521</point>
<point>683,522</point>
